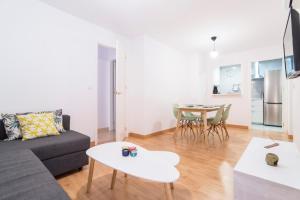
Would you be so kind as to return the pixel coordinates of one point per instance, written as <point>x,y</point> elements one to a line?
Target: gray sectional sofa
<point>24,177</point>
<point>26,166</point>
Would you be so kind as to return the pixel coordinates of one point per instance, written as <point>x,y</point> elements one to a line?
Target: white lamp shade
<point>214,54</point>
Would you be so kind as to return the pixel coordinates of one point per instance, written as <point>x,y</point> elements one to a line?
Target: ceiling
<point>188,24</point>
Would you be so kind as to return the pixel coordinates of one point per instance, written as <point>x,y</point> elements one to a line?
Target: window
<point>227,79</point>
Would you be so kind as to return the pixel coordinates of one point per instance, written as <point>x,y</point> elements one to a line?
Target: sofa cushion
<point>23,176</point>
<point>12,126</point>
<point>37,125</point>
<point>58,118</point>
<point>3,135</point>
<point>50,147</point>
<point>66,126</point>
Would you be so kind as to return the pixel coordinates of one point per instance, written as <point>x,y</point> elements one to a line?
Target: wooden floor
<point>206,170</point>
<point>105,135</point>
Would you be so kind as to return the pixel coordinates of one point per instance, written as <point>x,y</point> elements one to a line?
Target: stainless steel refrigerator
<point>272,98</point>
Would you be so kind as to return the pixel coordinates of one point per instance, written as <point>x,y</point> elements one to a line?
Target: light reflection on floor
<point>226,173</point>
<point>105,135</point>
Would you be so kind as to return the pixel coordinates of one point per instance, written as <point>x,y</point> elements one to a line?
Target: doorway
<point>106,94</point>
<point>266,95</point>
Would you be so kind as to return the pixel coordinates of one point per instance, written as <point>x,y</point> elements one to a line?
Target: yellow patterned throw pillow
<point>37,125</point>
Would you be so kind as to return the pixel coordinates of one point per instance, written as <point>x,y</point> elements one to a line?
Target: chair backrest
<point>226,113</point>
<point>175,110</point>
<point>217,119</point>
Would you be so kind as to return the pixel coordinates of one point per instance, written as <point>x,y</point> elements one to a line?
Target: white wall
<point>105,57</point>
<point>294,99</point>
<point>163,76</point>
<point>241,105</point>
<point>48,60</point>
<point>294,87</point>
<point>135,87</point>
<point>294,109</point>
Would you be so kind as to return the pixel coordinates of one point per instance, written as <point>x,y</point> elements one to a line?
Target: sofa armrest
<point>66,122</point>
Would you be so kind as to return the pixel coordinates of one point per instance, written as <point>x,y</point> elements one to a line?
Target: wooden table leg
<point>113,179</point>
<point>90,177</point>
<point>204,118</point>
<point>168,192</point>
<point>178,122</point>
<point>172,186</point>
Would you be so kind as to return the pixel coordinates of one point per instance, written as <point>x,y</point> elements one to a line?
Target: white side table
<point>254,179</point>
<point>158,166</point>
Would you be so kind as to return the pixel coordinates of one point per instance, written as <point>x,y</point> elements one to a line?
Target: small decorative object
<point>133,151</point>
<point>190,105</point>
<point>272,159</point>
<point>125,151</point>
<point>215,90</point>
<point>272,145</point>
<point>236,88</point>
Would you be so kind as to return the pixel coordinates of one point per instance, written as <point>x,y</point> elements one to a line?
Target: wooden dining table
<point>203,109</point>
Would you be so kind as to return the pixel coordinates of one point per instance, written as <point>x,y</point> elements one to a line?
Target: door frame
<point>121,91</point>
<point>112,92</point>
<point>115,71</point>
<point>113,98</point>
<point>285,93</point>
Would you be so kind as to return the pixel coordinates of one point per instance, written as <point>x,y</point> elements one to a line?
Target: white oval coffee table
<point>158,166</point>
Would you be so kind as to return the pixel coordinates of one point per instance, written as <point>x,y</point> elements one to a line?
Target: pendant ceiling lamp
<point>214,53</point>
